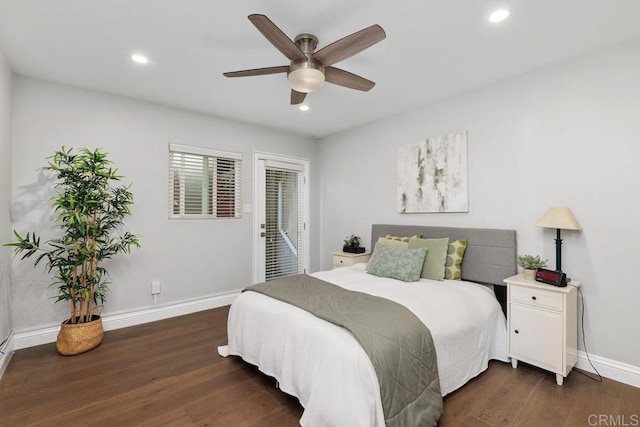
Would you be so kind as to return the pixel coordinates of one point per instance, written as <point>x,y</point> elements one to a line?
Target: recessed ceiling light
<point>304,108</point>
<point>140,59</point>
<point>498,16</point>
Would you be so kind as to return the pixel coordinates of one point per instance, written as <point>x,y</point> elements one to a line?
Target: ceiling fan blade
<point>279,39</point>
<point>344,78</point>
<point>350,45</point>
<point>257,71</point>
<point>297,97</point>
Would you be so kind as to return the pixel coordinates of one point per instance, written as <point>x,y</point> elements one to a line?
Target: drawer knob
<point>516,331</point>
<point>534,298</point>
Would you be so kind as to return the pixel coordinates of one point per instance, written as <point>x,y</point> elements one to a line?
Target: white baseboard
<point>612,369</point>
<point>5,356</point>
<point>48,334</point>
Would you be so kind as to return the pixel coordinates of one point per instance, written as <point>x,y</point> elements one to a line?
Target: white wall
<point>192,259</point>
<point>5,197</point>
<point>566,135</point>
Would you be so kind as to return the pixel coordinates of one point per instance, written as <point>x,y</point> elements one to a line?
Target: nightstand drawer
<point>536,297</point>
<point>344,259</point>
<point>341,261</point>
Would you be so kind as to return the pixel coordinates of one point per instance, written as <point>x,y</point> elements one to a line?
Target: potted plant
<point>90,211</point>
<point>352,245</point>
<point>530,264</point>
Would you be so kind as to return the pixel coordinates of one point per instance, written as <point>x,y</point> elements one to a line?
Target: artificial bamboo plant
<point>90,212</point>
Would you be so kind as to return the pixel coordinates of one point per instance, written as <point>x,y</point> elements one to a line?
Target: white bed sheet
<point>326,368</point>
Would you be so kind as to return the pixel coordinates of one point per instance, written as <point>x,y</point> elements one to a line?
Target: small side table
<point>542,323</point>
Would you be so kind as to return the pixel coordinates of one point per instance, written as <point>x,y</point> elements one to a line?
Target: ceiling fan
<point>308,69</point>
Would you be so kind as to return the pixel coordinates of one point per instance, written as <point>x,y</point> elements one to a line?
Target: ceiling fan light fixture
<point>306,71</point>
<point>306,79</point>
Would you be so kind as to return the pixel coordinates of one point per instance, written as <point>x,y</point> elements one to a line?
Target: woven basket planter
<point>76,338</point>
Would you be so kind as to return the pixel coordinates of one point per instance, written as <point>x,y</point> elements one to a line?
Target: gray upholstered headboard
<point>490,256</point>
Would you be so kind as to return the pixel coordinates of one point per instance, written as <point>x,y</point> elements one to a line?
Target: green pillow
<point>397,263</point>
<point>393,243</point>
<point>433,267</point>
<point>455,253</point>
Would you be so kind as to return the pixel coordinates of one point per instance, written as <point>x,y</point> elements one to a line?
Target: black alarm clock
<point>551,277</point>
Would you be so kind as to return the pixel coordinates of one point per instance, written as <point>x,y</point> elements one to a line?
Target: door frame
<point>257,207</point>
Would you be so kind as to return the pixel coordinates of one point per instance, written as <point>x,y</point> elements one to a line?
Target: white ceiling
<point>434,49</point>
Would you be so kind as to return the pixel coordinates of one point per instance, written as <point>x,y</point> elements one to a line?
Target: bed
<point>326,368</point>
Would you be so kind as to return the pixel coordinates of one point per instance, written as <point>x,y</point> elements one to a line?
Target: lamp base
<point>558,250</point>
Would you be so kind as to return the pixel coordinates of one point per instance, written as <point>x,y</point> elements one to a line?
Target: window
<point>204,183</point>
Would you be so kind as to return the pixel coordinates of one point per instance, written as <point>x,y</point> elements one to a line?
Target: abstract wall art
<point>432,175</point>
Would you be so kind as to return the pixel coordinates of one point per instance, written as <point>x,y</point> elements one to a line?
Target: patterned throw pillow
<point>383,241</point>
<point>455,253</point>
<point>403,238</point>
<point>396,263</point>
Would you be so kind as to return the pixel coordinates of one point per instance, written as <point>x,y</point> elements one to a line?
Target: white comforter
<point>328,371</point>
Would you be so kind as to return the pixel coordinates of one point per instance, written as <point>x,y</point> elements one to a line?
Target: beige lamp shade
<point>559,217</point>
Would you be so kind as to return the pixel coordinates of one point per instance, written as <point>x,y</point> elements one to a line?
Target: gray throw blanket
<point>397,342</point>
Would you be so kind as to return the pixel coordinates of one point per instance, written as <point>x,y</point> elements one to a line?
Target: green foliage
<point>352,241</point>
<point>90,213</point>
<point>531,262</point>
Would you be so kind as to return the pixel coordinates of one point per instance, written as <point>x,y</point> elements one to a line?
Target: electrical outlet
<point>155,287</point>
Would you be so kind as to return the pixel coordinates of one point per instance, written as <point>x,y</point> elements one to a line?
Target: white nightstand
<point>542,324</point>
<point>343,259</point>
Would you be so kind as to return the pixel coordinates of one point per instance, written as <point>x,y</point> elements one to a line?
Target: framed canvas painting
<point>432,175</point>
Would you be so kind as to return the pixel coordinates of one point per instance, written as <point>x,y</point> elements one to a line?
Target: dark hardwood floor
<point>168,373</point>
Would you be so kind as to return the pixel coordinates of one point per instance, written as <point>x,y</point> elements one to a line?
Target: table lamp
<point>560,218</point>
